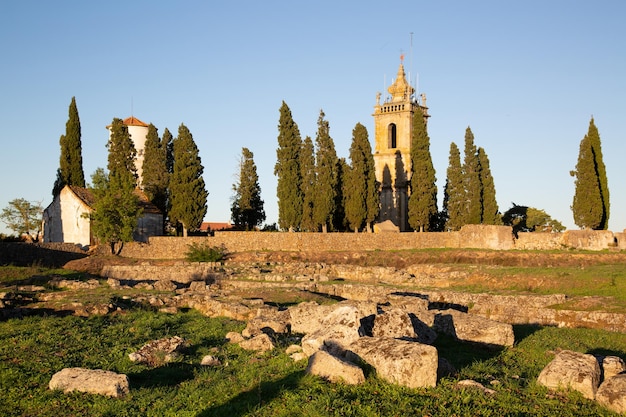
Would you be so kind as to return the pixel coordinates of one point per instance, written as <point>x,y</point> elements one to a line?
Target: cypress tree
<point>307,167</point>
<point>155,174</point>
<point>287,169</point>
<point>122,156</point>
<point>490,213</point>
<point>187,188</point>
<point>70,171</point>
<point>471,181</point>
<point>594,135</point>
<point>326,162</point>
<point>454,199</point>
<point>168,142</point>
<point>591,198</point>
<point>247,210</point>
<point>423,198</point>
<point>361,191</point>
<point>339,214</point>
<point>116,208</point>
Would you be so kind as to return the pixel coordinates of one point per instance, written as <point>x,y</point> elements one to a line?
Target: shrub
<point>202,252</point>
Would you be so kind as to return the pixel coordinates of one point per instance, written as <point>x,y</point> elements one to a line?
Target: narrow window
<point>392,136</point>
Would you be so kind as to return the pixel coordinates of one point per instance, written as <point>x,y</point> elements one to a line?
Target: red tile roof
<point>215,226</point>
<point>133,121</point>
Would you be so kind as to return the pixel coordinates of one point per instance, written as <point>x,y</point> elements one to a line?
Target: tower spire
<point>400,90</point>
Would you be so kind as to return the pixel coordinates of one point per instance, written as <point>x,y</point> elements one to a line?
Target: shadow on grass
<point>607,352</point>
<point>245,402</point>
<point>28,254</point>
<point>461,354</point>
<point>164,376</point>
<point>8,313</point>
<point>203,343</point>
<point>522,331</point>
<point>14,283</point>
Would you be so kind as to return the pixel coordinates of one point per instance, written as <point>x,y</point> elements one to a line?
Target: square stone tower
<point>393,124</point>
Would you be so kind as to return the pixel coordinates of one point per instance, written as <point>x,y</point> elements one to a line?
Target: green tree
<point>490,213</point>
<point>339,214</point>
<point>168,142</point>
<point>187,188</point>
<point>247,209</point>
<point>307,168</point>
<point>70,171</point>
<point>423,197</point>
<point>154,171</point>
<point>122,156</point>
<point>116,206</point>
<point>360,189</point>
<point>326,162</point>
<point>287,169</point>
<point>115,210</point>
<point>530,219</point>
<point>23,217</point>
<point>454,199</point>
<point>604,185</point>
<point>471,181</point>
<point>591,197</point>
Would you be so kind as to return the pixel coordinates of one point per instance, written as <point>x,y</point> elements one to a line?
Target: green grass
<point>32,349</point>
<point>36,275</point>
<point>593,280</point>
<point>599,280</point>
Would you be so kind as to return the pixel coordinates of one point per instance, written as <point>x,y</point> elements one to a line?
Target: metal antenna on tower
<point>416,72</point>
<point>411,65</point>
<point>411,58</point>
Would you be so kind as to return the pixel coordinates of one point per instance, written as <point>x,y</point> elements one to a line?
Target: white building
<point>66,219</point>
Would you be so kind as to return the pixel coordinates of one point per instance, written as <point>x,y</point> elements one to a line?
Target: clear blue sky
<point>525,76</point>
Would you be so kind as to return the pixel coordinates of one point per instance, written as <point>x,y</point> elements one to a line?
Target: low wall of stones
<point>470,236</point>
<point>571,239</point>
<point>183,272</point>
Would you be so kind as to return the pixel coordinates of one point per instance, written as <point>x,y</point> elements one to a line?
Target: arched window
<point>392,136</point>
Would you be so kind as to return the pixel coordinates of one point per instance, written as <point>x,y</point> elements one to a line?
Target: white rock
<point>93,381</point>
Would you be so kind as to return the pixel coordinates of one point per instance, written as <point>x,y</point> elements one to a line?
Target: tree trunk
<point>116,248</point>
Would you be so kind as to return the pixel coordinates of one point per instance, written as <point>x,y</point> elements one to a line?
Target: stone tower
<point>393,122</point>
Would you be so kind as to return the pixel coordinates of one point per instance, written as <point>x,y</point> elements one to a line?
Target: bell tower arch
<point>393,123</point>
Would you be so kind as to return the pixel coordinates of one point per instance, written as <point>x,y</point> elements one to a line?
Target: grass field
<point>33,348</point>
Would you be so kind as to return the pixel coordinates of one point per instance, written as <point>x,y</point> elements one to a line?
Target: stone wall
<point>621,240</point>
<point>571,239</point>
<point>183,272</point>
<point>470,236</point>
